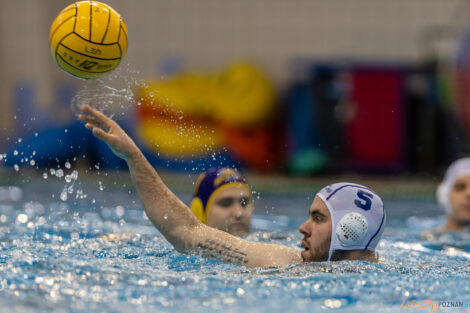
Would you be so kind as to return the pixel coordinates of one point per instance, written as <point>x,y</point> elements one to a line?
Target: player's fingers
<point>90,120</point>
<point>90,126</point>
<point>97,130</point>
<point>101,134</point>
<point>106,121</point>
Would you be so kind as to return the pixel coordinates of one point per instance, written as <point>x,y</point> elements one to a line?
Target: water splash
<point>68,179</point>
<point>59,173</point>
<point>63,195</point>
<point>112,94</point>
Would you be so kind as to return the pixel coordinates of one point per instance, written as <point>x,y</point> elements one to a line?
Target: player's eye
<point>459,186</point>
<point>317,217</point>
<point>226,202</point>
<point>244,201</point>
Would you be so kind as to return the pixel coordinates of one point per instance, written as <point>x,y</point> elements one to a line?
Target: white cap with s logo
<point>357,216</point>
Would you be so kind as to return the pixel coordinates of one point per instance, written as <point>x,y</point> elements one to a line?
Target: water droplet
<point>68,179</point>
<point>15,152</point>
<point>63,195</point>
<point>22,218</point>
<point>35,134</point>
<point>165,216</point>
<point>16,167</point>
<point>74,175</point>
<point>59,173</point>
<point>44,175</point>
<point>20,139</point>
<point>100,186</point>
<point>119,210</point>
<point>67,165</point>
<point>32,162</point>
<point>1,157</point>
<point>97,166</point>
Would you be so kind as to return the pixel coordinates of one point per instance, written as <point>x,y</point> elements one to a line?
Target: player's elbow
<point>184,238</point>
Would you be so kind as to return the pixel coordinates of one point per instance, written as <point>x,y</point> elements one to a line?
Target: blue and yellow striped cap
<point>209,182</point>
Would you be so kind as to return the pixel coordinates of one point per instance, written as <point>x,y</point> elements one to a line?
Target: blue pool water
<point>100,254</point>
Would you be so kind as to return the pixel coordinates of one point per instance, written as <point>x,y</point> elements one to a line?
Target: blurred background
<point>272,87</point>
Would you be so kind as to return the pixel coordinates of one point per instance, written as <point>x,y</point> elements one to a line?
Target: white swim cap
<point>459,168</point>
<point>357,216</point>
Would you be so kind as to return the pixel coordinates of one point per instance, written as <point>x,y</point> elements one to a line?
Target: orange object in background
<point>258,147</point>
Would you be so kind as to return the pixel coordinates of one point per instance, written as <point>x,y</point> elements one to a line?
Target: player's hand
<point>109,131</point>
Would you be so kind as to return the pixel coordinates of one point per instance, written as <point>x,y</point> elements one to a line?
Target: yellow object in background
<point>194,115</point>
<point>175,139</point>
<point>88,39</point>
<point>240,95</point>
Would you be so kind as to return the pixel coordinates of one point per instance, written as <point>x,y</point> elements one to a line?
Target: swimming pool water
<point>100,254</point>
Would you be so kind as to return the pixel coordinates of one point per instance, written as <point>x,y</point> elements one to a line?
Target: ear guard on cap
<point>351,229</point>
<point>442,194</point>
<point>198,209</point>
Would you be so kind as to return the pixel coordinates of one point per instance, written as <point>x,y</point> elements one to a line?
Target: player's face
<point>460,200</point>
<point>231,211</point>
<point>317,233</point>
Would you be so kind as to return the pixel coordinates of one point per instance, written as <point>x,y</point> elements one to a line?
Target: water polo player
<point>345,220</point>
<point>222,199</point>
<point>453,195</point>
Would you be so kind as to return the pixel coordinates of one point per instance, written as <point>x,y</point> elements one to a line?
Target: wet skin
<point>459,197</point>
<point>317,233</point>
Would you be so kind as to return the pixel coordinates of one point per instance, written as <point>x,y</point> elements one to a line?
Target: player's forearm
<point>166,211</point>
<point>182,229</point>
<point>171,216</point>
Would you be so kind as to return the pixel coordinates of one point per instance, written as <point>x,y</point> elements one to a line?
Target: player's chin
<point>463,214</point>
<point>306,255</point>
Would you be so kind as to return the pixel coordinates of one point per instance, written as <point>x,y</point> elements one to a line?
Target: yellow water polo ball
<point>88,39</point>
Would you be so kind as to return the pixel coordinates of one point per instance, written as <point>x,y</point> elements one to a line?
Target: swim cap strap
<point>333,222</point>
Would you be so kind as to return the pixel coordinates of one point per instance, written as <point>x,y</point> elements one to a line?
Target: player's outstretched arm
<point>171,216</point>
